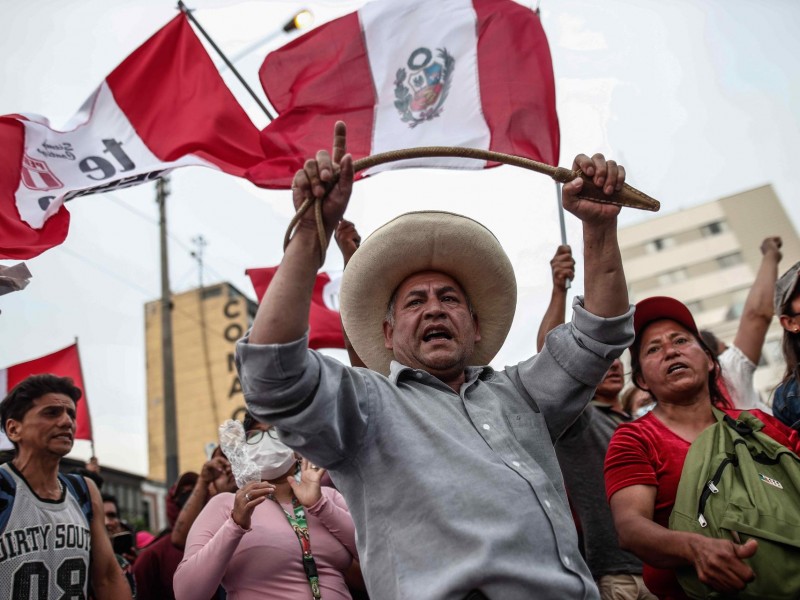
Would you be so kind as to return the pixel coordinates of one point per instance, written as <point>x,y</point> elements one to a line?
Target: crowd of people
<point>418,471</point>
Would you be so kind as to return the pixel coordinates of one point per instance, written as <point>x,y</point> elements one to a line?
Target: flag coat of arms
<point>324,321</point>
<point>469,73</point>
<point>165,106</point>
<point>64,363</point>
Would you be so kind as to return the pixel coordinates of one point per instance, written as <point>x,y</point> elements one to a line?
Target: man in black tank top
<point>53,541</point>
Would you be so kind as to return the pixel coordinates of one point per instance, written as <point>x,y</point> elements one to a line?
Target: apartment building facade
<point>707,257</point>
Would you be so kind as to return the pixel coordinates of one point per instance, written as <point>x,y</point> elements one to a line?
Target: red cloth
<point>647,452</point>
<point>327,75</point>
<point>164,106</point>
<point>324,321</point>
<point>63,363</point>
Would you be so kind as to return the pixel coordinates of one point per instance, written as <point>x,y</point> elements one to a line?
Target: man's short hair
<point>710,340</point>
<point>20,400</point>
<point>113,499</point>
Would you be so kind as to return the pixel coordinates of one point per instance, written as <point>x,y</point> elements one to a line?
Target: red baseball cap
<point>662,307</point>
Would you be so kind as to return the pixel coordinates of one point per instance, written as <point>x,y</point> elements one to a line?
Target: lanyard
<point>300,527</point>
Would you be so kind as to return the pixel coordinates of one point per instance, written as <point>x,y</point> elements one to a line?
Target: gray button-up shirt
<point>449,492</point>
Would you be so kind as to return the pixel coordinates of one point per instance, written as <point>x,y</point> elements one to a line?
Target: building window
<point>211,292</point>
<point>659,244</point>
<point>714,228</point>
<point>730,260</point>
<point>672,277</point>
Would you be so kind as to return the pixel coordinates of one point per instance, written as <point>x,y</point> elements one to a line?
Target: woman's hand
<point>246,501</point>
<point>308,491</point>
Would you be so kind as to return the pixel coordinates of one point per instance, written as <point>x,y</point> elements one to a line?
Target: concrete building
<point>206,322</point>
<point>707,257</point>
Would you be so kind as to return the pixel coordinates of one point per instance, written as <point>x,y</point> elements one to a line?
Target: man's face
<point>674,365</point>
<point>433,328</point>
<point>612,383</point>
<point>48,426</point>
<point>112,518</point>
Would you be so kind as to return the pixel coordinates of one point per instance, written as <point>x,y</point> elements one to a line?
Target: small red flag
<point>165,106</point>
<point>64,363</point>
<point>324,321</point>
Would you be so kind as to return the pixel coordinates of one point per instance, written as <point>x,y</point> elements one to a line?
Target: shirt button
<point>566,560</point>
<point>515,463</point>
<point>418,375</point>
<point>486,426</point>
<point>547,504</point>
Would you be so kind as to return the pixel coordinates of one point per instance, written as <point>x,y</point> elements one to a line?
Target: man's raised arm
<point>606,293</point>
<point>282,316</point>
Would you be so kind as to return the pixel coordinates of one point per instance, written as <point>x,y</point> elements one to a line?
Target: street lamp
<point>302,20</point>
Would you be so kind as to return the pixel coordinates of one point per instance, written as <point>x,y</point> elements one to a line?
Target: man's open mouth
<point>436,334</point>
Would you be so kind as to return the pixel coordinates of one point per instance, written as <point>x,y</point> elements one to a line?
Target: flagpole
<point>83,379</point>
<point>567,282</point>
<point>183,8</point>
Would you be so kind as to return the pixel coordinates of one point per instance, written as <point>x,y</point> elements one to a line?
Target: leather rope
<point>627,196</point>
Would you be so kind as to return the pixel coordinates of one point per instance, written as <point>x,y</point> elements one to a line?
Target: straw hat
<point>427,241</point>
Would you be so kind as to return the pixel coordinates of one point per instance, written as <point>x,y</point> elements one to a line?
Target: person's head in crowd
<point>662,326</point>
<point>608,390</point>
<point>785,403</point>
<point>716,345</point>
<point>787,307</point>
<point>636,402</point>
<point>224,481</point>
<point>40,410</point>
<point>178,494</point>
<point>415,280</point>
<point>144,539</point>
<point>111,512</point>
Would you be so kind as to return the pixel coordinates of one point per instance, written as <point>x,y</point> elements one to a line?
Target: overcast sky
<point>698,99</point>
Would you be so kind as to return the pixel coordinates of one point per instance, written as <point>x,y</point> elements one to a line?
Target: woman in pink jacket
<point>274,539</point>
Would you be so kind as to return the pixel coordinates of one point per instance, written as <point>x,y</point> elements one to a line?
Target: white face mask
<point>273,457</point>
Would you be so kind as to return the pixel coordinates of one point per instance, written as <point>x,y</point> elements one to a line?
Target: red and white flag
<point>64,363</point>
<point>324,321</point>
<point>165,106</point>
<point>470,73</point>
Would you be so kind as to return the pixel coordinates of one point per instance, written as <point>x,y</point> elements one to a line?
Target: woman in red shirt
<point>645,457</point>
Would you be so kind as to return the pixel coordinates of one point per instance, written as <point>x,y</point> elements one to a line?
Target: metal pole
<point>80,370</point>
<point>167,358</point>
<point>229,64</point>
<point>568,283</point>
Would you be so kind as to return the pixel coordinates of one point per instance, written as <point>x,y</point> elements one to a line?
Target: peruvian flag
<point>165,106</point>
<point>470,73</point>
<point>64,363</point>
<point>324,321</point>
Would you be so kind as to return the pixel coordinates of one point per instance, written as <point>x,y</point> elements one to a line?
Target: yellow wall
<point>206,324</point>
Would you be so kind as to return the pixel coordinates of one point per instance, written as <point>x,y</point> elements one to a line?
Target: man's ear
<point>13,430</point>
<point>477,328</point>
<point>388,332</point>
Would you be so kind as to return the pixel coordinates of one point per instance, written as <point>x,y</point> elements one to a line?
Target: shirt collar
<point>398,371</point>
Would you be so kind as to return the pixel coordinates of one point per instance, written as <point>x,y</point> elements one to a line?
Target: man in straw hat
<point>447,465</point>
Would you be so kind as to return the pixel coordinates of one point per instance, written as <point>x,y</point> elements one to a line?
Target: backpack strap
<point>8,489</point>
<point>77,486</point>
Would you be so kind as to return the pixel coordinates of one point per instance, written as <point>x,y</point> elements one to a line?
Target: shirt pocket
<point>529,429</point>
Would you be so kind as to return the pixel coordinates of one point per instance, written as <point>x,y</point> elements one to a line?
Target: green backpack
<point>738,483</point>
